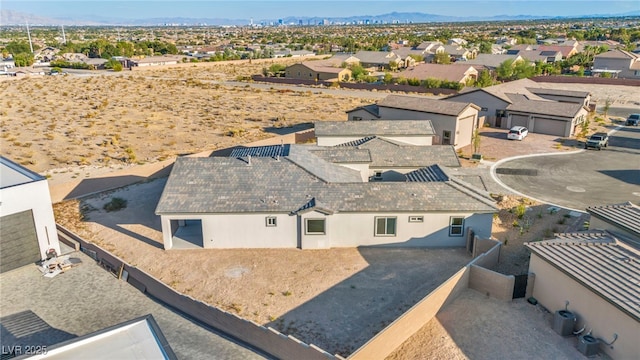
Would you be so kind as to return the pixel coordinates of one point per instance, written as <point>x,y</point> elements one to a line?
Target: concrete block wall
<point>386,341</point>
<point>491,283</point>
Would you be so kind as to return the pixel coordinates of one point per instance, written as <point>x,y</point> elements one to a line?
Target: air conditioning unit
<point>588,345</point>
<point>563,322</point>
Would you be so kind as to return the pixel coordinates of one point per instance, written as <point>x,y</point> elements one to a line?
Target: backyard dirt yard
<point>336,299</point>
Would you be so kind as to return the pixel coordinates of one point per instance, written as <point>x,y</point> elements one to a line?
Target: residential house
<point>454,122</point>
<point>566,50</point>
<point>379,60</point>
<point>460,73</point>
<point>27,226</point>
<point>318,71</point>
<point>432,47</point>
<point>491,62</point>
<point>621,220</point>
<point>157,61</point>
<point>620,63</point>
<point>288,197</point>
<point>523,103</point>
<point>341,58</point>
<point>595,277</point>
<point>459,53</point>
<point>537,55</point>
<point>410,132</point>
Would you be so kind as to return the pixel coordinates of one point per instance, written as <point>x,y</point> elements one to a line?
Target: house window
<point>456,226</point>
<point>416,218</point>
<point>271,221</point>
<point>484,109</point>
<point>377,175</point>
<point>315,227</point>
<point>446,137</point>
<point>357,118</point>
<point>385,226</point>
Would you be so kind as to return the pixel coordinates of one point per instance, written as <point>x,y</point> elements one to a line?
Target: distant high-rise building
<point>300,22</point>
<point>280,22</point>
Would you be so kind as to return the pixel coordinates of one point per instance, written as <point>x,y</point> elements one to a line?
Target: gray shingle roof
<point>371,108</point>
<point>625,216</point>
<point>376,127</point>
<point>230,185</point>
<point>609,269</point>
<point>520,103</point>
<point>423,104</point>
<point>343,155</point>
<point>389,154</point>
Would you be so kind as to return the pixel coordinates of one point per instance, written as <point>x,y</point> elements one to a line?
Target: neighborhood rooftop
<point>12,174</point>
<point>544,107</point>
<point>626,215</point>
<point>568,93</point>
<point>378,127</point>
<point>609,268</point>
<point>231,185</point>
<point>421,104</point>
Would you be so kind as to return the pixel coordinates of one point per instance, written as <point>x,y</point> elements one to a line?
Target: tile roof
<point>625,216</point>
<point>377,127</point>
<point>608,268</point>
<point>568,93</point>
<point>490,60</point>
<point>423,104</point>
<point>343,155</point>
<point>371,108</point>
<point>617,54</point>
<point>376,57</point>
<point>230,185</point>
<point>521,103</point>
<point>450,72</point>
<point>390,154</point>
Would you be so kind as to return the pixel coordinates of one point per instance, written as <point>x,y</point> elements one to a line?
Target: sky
<point>268,9</point>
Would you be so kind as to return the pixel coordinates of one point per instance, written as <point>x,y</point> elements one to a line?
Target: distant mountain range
<point>10,17</point>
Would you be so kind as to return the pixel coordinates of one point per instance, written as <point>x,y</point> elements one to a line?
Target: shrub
<point>115,204</point>
<point>520,210</point>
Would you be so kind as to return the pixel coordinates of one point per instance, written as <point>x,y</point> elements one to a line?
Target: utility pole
<point>64,37</point>
<point>29,35</point>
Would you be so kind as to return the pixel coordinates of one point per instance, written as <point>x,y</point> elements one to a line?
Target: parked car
<point>518,133</point>
<point>633,120</point>
<point>597,141</point>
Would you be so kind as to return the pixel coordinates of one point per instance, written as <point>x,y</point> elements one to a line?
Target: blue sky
<point>267,9</point>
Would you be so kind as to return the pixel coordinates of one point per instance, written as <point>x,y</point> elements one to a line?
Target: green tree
<point>113,64</point>
<point>23,59</point>
<point>504,71</point>
<point>388,78</point>
<point>442,58</point>
<point>484,79</point>
<point>485,47</point>
<point>277,69</point>
<point>357,71</point>
<point>17,47</point>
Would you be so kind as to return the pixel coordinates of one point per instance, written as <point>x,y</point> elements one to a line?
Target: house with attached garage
<point>453,122</point>
<point>410,132</point>
<point>317,70</point>
<point>596,278</point>
<point>620,63</point>
<point>290,197</point>
<point>27,226</point>
<point>524,103</point>
<point>622,220</point>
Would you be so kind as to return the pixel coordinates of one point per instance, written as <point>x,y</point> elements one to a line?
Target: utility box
<point>563,322</point>
<point>588,345</point>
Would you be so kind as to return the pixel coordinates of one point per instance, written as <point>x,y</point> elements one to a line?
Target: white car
<point>518,133</point>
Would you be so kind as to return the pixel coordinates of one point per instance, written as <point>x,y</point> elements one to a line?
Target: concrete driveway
<point>579,179</point>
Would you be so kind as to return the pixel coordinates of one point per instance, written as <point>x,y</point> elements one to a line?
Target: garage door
<point>18,241</point>
<point>519,120</point>
<point>550,127</point>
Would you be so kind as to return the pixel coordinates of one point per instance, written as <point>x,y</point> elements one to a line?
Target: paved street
<point>580,179</point>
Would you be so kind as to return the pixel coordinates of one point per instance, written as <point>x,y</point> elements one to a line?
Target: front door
<point>446,137</point>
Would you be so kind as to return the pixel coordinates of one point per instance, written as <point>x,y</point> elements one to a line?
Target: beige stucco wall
<point>386,341</point>
<point>491,283</point>
<point>553,288</point>
<point>484,100</point>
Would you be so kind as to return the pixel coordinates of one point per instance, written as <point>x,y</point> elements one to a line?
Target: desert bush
<point>115,204</point>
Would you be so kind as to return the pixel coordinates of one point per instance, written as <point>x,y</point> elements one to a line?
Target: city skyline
<point>105,10</point>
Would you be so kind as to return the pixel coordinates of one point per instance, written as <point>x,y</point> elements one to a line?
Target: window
<point>377,175</point>
<point>446,137</point>
<point>357,118</point>
<point>484,109</point>
<point>315,227</point>
<point>456,226</point>
<point>385,226</point>
<point>416,218</point>
<point>271,221</point>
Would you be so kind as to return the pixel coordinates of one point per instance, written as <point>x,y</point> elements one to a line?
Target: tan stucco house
<point>317,70</point>
<point>459,72</point>
<point>453,122</point>
<point>620,63</point>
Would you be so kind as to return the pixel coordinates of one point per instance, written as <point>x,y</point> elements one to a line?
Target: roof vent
<point>248,160</point>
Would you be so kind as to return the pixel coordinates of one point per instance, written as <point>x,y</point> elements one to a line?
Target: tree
<point>484,79</point>
<point>504,71</point>
<point>442,58</point>
<point>485,47</point>
<point>357,71</point>
<point>17,47</point>
<point>607,105</point>
<point>113,64</point>
<point>475,141</point>
<point>388,78</point>
<point>23,59</point>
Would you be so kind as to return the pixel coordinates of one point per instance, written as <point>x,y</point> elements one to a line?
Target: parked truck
<point>597,141</point>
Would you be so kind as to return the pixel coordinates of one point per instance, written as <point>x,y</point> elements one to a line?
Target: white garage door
<point>550,127</point>
<point>519,120</point>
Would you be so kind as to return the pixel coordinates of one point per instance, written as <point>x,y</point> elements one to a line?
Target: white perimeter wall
<point>553,287</point>
<point>33,196</point>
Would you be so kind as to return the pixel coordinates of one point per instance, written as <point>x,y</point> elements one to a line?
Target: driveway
<point>580,179</point>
